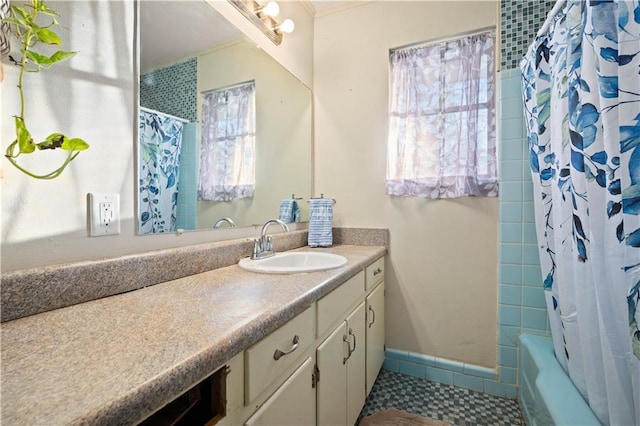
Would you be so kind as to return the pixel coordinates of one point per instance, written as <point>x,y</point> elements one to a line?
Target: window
<point>441,141</point>
<point>227,156</point>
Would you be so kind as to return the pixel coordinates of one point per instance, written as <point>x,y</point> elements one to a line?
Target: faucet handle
<point>256,248</point>
<point>269,245</point>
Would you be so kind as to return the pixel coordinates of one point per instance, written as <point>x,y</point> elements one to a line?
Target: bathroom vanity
<point>240,347</point>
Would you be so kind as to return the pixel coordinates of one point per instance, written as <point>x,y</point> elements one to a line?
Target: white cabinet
<point>319,367</point>
<point>292,404</point>
<point>375,334</point>
<point>341,364</point>
<point>331,357</point>
<point>273,355</point>
<point>356,372</point>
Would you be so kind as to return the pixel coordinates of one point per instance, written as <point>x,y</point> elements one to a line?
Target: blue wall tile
<point>512,128</point>
<point>534,318</point>
<point>509,315</point>
<point>532,297</point>
<point>511,171</point>
<point>438,375</point>
<point>511,150</point>
<point>508,356</point>
<point>411,369</point>
<point>508,335</point>
<point>510,212</point>
<point>422,359</point>
<point>511,191</point>
<point>510,274</point>
<point>508,375</point>
<point>530,254</point>
<point>510,294</point>
<point>468,382</point>
<point>511,233</point>
<point>510,253</point>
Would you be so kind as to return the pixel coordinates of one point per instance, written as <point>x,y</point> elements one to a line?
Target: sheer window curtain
<point>227,157</point>
<point>441,141</point>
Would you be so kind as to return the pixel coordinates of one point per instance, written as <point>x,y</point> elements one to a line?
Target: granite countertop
<point>116,360</point>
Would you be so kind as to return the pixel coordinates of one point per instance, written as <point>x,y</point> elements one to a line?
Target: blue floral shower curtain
<point>581,90</point>
<point>159,171</point>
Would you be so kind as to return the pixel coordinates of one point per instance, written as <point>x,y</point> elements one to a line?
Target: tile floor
<point>451,404</point>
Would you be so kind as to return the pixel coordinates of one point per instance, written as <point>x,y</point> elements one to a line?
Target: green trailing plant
<point>31,35</point>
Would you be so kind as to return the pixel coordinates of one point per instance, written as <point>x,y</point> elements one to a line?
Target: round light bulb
<point>271,9</point>
<point>287,26</point>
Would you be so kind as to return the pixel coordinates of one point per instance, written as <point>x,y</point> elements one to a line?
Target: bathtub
<point>545,393</point>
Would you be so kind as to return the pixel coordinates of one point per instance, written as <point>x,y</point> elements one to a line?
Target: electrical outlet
<point>104,214</point>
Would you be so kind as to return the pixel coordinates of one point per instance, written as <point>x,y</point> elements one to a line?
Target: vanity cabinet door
<point>341,363</point>
<point>331,357</point>
<point>294,403</point>
<point>356,371</point>
<point>375,334</point>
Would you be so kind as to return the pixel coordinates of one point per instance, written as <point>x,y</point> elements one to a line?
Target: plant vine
<point>24,26</point>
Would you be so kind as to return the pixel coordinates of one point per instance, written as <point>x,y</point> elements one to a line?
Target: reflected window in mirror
<point>227,157</point>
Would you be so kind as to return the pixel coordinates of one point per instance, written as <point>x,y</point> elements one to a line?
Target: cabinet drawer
<point>375,273</point>
<point>261,365</point>
<point>333,306</point>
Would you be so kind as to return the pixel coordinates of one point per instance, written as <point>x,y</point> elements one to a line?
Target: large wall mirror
<point>189,55</point>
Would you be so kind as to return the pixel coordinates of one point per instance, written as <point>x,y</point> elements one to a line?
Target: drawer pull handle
<point>373,316</point>
<point>354,342</point>
<point>279,354</point>
<point>345,339</point>
<point>377,271</point>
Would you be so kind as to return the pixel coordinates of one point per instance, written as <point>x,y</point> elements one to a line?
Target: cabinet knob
<point>377,271</point>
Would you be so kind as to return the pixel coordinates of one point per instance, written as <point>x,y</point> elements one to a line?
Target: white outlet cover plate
<point>97,227</point>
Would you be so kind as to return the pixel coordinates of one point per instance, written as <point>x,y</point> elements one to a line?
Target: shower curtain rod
<point>153,111</point>
<point>445,39</point>
<point>547,23</point>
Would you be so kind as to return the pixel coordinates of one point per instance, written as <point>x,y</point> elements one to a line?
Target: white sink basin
<point>294,262</point>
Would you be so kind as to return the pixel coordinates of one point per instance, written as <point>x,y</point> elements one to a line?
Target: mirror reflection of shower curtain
<point>160,142</point>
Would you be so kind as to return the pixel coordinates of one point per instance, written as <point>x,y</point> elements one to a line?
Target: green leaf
<point>43,8</point>
<point>61,55</point>
<point>25,141</point>
<point>53,141</point>
<point>15,21</point>
<point>22,12</point>
<point>45,35</point>
<point>38,59</point>
<point>75,144</point>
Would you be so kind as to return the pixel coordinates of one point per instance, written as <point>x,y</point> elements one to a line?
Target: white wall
<point>441,284</point>
<point>300,41</point>
<point>91,96</point>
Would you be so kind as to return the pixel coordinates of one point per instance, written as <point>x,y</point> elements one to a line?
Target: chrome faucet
<point>263,246</point>
<point>219,222</point>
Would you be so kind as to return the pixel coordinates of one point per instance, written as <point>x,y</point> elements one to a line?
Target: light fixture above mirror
<point>263,17</point>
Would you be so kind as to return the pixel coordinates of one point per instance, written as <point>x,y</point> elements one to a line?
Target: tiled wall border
<point>31,291</point>
<point>441,370</point>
